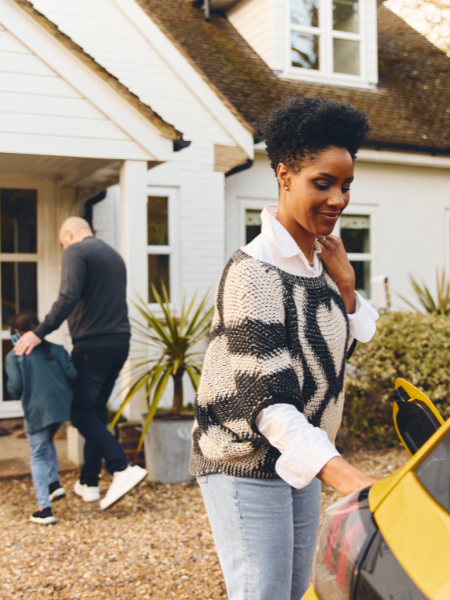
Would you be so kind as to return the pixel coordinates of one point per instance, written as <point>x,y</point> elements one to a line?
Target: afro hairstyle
<point>302,128</point>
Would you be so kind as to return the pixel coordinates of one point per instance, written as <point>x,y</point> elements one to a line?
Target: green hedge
<point>414,346</point>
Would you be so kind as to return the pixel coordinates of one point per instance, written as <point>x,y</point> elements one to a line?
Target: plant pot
<point>168,448</point>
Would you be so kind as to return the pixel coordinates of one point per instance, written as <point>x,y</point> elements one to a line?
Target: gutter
<point>248,163</point>
<point>433,150</point>
<point>257,139</point>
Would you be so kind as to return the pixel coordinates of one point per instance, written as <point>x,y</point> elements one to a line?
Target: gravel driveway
<point>154,544</point>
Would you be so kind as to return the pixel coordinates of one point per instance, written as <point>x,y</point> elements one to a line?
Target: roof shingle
<point>410,108</point>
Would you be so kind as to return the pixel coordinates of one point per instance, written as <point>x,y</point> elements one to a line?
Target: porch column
<point>133,244</point>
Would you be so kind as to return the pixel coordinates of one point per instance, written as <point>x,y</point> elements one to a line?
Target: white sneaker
<point>88,493</point>
<point>123,482</point>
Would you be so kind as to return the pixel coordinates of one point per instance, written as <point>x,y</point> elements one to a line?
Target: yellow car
<point>392,541</point>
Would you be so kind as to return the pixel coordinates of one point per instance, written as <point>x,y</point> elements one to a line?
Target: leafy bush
<point>414,346</point>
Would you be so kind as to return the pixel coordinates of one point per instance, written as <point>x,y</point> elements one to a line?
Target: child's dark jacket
<point>43,386</point>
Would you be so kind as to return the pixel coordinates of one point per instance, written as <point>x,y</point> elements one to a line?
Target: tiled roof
<point>411,106</point>
<point>165,128</point>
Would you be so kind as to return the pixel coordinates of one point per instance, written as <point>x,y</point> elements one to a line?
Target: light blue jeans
<point>43,462</point>
<point>265,533</point>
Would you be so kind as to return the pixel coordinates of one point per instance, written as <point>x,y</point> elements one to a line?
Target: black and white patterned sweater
<point>275,338</point>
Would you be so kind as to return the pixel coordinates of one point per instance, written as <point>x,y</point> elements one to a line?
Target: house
<point>163,109</point>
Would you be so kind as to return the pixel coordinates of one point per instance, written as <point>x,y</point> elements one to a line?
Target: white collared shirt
<point>305,449</point>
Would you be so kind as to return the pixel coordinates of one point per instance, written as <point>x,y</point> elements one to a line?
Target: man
<point>92,298</point>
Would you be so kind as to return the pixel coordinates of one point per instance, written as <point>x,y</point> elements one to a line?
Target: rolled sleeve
<point>305,449</point>
<point>362,321</point>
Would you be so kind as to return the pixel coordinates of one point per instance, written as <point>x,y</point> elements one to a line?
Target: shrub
<point>414,346</point>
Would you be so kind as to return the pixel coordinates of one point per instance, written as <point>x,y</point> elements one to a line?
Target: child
<point>42,380</point>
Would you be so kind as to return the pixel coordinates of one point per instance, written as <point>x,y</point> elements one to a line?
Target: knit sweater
<point>275,338</point>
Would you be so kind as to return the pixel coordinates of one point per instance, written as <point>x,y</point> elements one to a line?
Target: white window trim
<point>250,204</point>
<point>370,210</point>
<point>172,249</point>
<point>325,74</point>
<point>447,240</point>
<point>13,408</point>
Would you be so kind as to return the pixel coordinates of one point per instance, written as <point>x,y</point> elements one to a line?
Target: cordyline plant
<point>440,306</point>
<point>169,344</point>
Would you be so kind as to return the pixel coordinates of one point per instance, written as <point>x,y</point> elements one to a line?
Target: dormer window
<point>325,39</point>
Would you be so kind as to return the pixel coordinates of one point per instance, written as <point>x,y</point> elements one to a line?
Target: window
<point>325,37</point>
<point>355,231</point>
<point>252,224</point>
<point>18,260</point>
<point>158,248</point>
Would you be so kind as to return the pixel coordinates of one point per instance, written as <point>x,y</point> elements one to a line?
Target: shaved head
<point>74,229</point>
<point>74,223</point>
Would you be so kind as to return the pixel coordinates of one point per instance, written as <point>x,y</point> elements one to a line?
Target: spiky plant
<point>168,344</point>
<point>441,305</point>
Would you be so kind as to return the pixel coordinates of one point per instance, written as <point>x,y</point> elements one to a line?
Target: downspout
<point>89,206</point>
<point>206,5</point>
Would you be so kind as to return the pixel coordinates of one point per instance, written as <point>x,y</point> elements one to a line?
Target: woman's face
<point>319,193</point>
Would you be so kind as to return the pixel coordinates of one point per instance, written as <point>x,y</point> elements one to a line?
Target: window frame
<point>171,249</point>
<point>250,204</point>
<point>447,240</point>
<point>363,210</point>
<point>13,408</point>
<point>327,34</point>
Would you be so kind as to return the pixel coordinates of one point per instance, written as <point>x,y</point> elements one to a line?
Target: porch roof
<point>62,115</point>
<point>410,108</point>
<point>165,128</point>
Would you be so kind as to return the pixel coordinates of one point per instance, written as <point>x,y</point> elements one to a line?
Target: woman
<point>271,395</point>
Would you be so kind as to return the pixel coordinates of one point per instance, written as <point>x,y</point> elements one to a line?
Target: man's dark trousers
<point>97,369</point>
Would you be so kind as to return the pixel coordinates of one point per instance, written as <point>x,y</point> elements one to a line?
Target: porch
<point>36,194</point>
<point>68,130</point>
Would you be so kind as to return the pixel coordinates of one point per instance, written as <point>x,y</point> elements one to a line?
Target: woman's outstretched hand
<point>27,343</point>
<point>341,271</point>
<point>342,477</point>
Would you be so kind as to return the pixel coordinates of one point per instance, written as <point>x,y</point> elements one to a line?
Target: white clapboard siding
<point>70,146</point>
<point>101,28</point>
<point>41,113</point>
<point>32,85</point>
<point>9,43</point>
<point>11,62</point>
<point>43,105</point>
<point>48,125</point>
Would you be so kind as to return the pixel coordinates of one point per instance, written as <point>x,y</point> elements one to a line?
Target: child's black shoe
<point>56,491</point>
<point>43,517</point>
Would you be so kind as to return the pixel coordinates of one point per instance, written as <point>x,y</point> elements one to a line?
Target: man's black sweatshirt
<point>92,297</point>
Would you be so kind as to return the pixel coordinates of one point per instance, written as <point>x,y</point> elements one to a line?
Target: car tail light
<point>346,533</point>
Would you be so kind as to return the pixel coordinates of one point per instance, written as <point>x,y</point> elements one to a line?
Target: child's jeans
<point>43,462</point>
